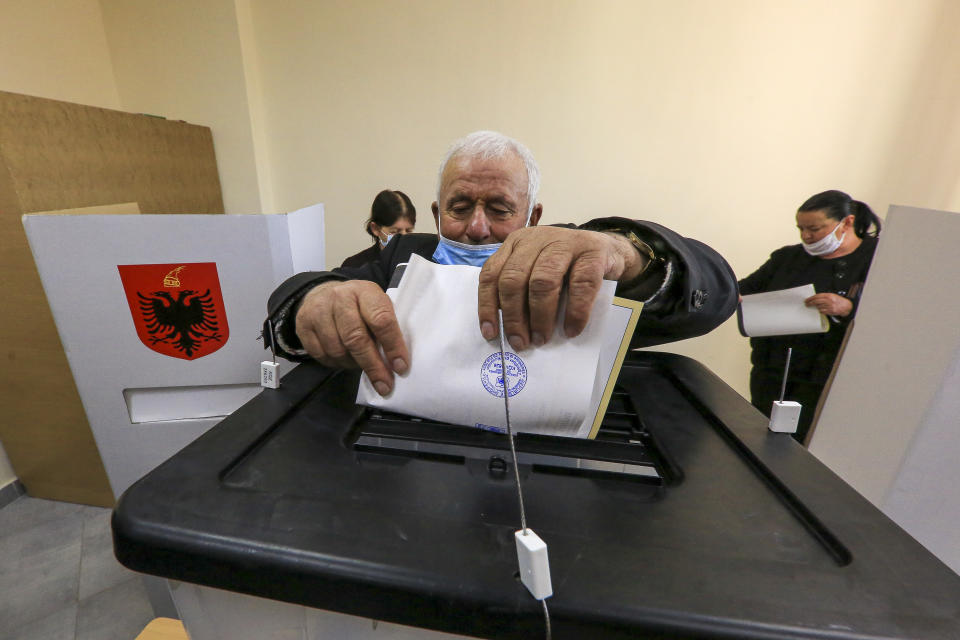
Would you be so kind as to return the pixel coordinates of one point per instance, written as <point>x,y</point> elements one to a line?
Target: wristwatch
<point>640,245</point>
<point>657,276</point>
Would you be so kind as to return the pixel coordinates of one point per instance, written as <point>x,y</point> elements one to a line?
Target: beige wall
<point>56,49</point>
<point>182,60</point>
<point>716,118</point>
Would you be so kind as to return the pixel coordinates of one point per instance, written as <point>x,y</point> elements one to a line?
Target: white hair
<point>490,144</point>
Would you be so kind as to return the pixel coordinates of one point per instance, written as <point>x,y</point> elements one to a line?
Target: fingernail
<point>382,388</point>
<point>488,331</point>
<point>537,339</point>
<point>516,342</point>
<point>399,365</point>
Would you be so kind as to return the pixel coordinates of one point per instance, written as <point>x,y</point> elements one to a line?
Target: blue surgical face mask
<point>383,243</point>
<point>453,252</point>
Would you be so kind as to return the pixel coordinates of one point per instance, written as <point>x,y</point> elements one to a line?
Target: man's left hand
<point>526,276</point>
<point>830,304</point>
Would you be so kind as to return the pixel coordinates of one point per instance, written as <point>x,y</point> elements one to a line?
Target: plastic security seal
<point>269,374</point>
<point>269,369</point>
<point>784,416</point>
<point>534,563</point>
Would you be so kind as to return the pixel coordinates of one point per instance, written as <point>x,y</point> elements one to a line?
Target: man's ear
<point>535,214</point>
<point>436,214</point>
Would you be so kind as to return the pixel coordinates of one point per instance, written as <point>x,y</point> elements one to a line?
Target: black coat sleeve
<point>692,291</point>
<point>285,300</point>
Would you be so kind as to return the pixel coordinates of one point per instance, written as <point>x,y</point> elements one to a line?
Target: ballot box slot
<point>273,426</point>
<point>622,449</point>
<point>837,550</point>
<point>623,423</point>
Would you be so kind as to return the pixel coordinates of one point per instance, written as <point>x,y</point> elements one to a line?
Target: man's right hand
<point>344,325</point>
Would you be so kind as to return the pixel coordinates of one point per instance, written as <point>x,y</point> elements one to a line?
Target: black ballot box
<point>685,518</point>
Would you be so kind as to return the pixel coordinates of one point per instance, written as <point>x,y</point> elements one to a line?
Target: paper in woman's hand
<point>779,313</point>
<point>456,376</point>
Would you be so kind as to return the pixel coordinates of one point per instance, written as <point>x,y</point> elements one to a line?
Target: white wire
<point>506,404</point>
<point>546,617</point>
<point>513,450</point>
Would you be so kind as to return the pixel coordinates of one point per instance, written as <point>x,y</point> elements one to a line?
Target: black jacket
<point>690,291</point>
<point>359,259</point>
<point>791,266</point>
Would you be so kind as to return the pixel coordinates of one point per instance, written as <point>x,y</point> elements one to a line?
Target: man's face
<point>483,201</point>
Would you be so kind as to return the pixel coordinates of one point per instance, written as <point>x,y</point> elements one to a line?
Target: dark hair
<point>388,207</point>
<point>838,205</point>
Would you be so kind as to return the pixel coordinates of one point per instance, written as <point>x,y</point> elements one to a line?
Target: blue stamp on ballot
<point>491,374</point>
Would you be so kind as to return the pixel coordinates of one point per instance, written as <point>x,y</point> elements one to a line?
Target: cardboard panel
<point>62,156</point>
<point>105,209</point>
<point>53,156</point>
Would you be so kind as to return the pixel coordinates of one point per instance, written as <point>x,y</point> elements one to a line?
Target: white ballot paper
<point>456,376</point>
<point>780,313</point>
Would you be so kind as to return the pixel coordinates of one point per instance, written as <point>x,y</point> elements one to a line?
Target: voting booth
<point>57,156</point>
<point>304,516</point>
<point>160,318</point>
<point>889,426</point>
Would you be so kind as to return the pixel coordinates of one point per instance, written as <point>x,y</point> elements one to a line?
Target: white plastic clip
<point>268,374</point>
<point>269,370</point>
<point>785,414</point>
<point>534,563</point>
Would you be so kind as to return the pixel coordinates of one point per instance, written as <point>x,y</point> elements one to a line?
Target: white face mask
<point>825,245</point>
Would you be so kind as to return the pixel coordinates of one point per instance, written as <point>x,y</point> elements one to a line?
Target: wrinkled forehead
<point>504,175</point>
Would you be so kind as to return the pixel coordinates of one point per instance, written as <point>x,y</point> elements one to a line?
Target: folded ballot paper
<point>780,313</point>
<point>455,376</point>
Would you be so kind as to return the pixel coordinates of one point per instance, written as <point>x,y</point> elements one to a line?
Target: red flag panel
<point>177,309</point>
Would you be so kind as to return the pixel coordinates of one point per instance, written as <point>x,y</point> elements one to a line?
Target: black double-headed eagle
<point>184,321</point>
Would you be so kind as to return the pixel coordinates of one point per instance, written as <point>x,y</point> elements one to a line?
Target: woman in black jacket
<point>838,237</point>
<point>392,213</point>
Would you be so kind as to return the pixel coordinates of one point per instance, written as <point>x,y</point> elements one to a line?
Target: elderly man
<point>487,215</point>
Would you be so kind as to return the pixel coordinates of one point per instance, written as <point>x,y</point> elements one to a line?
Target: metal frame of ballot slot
<point>623,448</point>
<point>685,518</point>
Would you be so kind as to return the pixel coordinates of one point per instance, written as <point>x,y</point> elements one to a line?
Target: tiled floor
<point>59,579</point>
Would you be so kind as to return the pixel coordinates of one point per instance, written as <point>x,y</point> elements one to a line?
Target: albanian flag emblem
<point>177,308</point>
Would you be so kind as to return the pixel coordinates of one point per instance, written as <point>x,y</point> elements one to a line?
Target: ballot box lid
<point>741,533</point>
